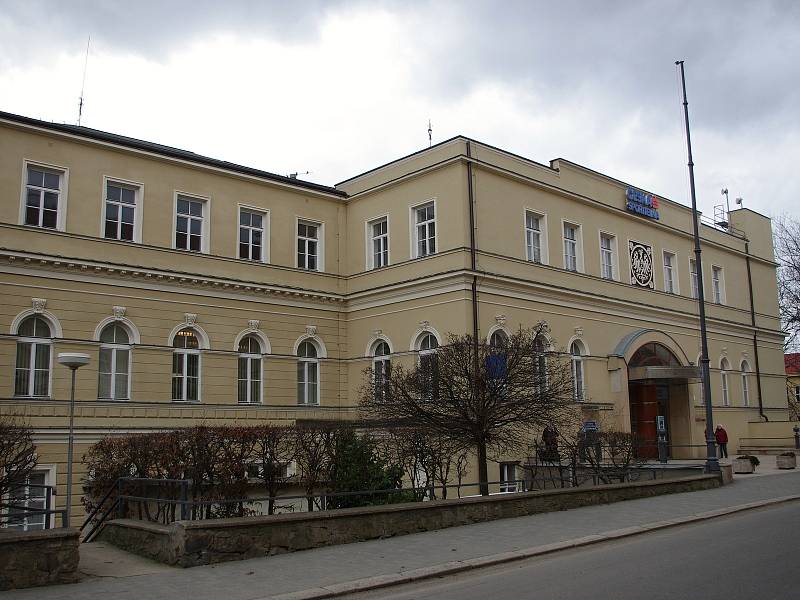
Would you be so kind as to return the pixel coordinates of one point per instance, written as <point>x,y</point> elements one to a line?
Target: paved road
<point>748,556</point>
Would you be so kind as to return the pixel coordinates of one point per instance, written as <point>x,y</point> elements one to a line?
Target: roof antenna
<point>83,84</point>
<point>430,134</point>
<point>296,173</point>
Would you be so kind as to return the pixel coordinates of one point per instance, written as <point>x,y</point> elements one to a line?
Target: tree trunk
<point>483,470</point>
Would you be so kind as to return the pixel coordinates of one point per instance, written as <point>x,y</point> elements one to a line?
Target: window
<point>534,225</point>
<point>378,251</point>
<point>251,235</point>
<point>189,224</point>
<point>797,393</point>
<point>724,367</point>
<point>540,363</point>
<point>429,366</point>
<point>745,383</point>
<point>308,246</point>
<point>717,285</point>
<point>693,276</point>
<point>571,247</point>
<point>32,373</point>
<point>307,374</point>
<point>425,230</point>
<point>669,273</point>
<point>578,378</point>
<point>508,477</point>
<point>121,200</point>
<point>249,370</point>
<point>186,366</point>
<point>608,251</point>
<point>43,197</point>
<point>381,369</point>
<point>114,368</point>
<point>29,495</point>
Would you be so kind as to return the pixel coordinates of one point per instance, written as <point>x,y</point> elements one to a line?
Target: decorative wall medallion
<point>191,318</point>
<point>377,332</point>
<point>424,325</point>
<point>38,304</point>
<point>579,331</point>
<point>253,324</point>
<point>311,330</point>
<point>641,264</point>
<point>119,312</point>
<point>500,320</point>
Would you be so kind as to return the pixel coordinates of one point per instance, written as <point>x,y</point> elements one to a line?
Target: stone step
<point>766,450</point>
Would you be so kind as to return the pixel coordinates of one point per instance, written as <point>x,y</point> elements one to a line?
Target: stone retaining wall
<point>32,558</point>
<point>192,543</point>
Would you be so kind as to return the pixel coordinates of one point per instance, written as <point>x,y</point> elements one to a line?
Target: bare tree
<point>488,397</point>
<point>274,450</point>
<point>17,455</point>
<point>787,253</point>
<point>315,445</point>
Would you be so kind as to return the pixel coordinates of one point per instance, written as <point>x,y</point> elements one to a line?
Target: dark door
<point>644,410</point>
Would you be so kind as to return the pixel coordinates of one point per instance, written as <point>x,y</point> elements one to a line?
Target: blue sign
<point>642,203</point>
<point>590,426</point>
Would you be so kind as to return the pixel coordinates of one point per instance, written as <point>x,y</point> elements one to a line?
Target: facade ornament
<point>119,312</point>
<point>744,353</point>
<point>38,304</point>
<point>377,332</point>
<point>579,331</point>
<point>190,318</point>
<point>311,330</point>
<point>424,325</point>
<point>500,320</point>
<point>253,324</point>
<point>724,351</point>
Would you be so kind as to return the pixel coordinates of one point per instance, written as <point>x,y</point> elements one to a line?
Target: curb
<point>459,566</point>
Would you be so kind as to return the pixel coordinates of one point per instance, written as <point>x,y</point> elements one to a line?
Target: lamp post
<point>73,361</point>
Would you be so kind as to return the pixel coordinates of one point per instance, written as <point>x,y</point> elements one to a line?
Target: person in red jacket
<point>722,441</point>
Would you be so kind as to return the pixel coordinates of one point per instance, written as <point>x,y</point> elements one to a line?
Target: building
<point>792,365</point>
<point>211,292</point>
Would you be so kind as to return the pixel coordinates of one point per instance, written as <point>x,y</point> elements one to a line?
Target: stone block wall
<point>33,558</point>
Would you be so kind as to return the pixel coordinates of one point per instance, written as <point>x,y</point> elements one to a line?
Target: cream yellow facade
<point>405,250</point>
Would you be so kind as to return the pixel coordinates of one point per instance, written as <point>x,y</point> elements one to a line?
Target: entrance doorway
<point>649,413</point>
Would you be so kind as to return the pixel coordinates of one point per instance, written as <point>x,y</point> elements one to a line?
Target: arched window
<point>307,374</point>
<point>250,370</point>
<point>724,367</point>
<point>745,383</point>
<point>32,373</point>
<point>578,377</point>
<point>499,339</point>
<point>540,363</point>
<point>381,369</point>
<point>429,366</point>
<point>186,366</point>
<point>115,359</point>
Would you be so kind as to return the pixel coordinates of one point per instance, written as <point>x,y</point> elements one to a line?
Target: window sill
<point>185,401</point>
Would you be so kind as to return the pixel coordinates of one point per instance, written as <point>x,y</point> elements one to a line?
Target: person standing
<point>722,441</point>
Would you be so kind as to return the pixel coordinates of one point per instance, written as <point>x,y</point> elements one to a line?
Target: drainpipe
<point>473,255</point>
<point>755,333</point>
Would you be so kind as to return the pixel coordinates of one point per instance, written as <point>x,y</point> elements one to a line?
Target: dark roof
<point>169,151</point>
<point>792,363</point>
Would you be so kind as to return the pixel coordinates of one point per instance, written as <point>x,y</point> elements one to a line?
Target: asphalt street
<point>752,555</point>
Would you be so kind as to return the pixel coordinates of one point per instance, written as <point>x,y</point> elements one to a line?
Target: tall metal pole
<point>712,464</point>
<point>70,444</point>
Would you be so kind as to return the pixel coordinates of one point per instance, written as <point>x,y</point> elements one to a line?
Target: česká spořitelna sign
<point>641,203</point>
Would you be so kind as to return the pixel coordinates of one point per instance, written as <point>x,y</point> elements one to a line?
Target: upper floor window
<point>308,249</point>
<point>250,370</point>
<point>578,376</point>
<point>381,369</point>
<point>114,368</point>
<point>670,280</point>
<point>425,229</point>
<point>694,279</point>
<point>724,367</point>
<point>307,374</point>
<point>43,196</point>
<point>120,211</point>
<point>608,255</point>
<point>429,365</point>
<point>718,285</point>
<point>190,224</point>
<point>251,235</point>
<point>534,234</point>
<point>378,251</point>
<point>186,366</point>
<point>32,372</point>
<point>745,383</point>
<point>572,249</point>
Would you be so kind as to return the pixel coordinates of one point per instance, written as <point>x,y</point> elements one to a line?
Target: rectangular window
<point>379,247</point>
<point>32,372</point>
<point>26,497</point>
<point>570,247</point>
<point>251,235</point>
<point>607,255</point>
<point>717,285</point>
<point>249,379</point>
<point>189,223</point>
<point>669,273</point>
<point>693,276</point>
<point>308,236</point>
<point>533,237</point>
<point>508,477</point>
<point>425,229</point>
<point>43,190</point>
<point>185,377</point>
<point>120,211</point>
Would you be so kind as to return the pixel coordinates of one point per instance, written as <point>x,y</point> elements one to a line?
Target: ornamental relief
<point>641,256</point>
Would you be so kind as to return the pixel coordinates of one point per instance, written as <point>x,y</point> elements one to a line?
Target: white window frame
<point>61,214</point>
<point>138,207</point>
<point>205,229</point>
<point>744,368</point>
<point>49,472</point>
<point>320,243</point>
<point>508,477</point>
<point>413,228</point>
<point>383,359</point>
<point>305,361</point>
<point>265,231</point>
<point>31,376</point>
<point>370,242</point>
<point>249,357</point>
<point>543,246</point>
<point>674,271</point>
<point>578,245</point>
<point>614,255</point>
<point>694,279</point>
<point>718,284</point>
<point>577,364</point>
<point>114,348</point>
<point>725,382</point>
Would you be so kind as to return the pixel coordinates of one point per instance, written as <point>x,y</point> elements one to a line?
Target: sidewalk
<point>286,573</point>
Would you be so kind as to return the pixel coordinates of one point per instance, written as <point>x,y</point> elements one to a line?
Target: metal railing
<point>13,514</point>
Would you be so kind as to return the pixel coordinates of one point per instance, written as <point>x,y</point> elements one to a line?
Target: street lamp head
<point>73,360</point>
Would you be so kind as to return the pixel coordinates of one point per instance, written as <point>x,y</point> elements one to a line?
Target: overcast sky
<point>336,88</point>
